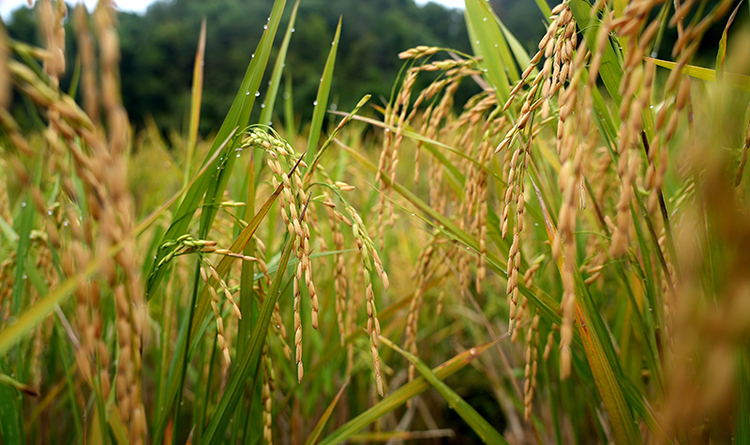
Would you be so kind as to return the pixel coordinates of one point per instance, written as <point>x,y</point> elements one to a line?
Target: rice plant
<point>569,242</point>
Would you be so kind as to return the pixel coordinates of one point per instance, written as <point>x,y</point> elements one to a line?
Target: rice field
<point>562,258</point>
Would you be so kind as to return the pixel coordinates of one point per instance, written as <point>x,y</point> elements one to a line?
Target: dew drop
<point>263,105</point>
<point>293,29</point>
<point>265,26</point>
<point>477,42</point>
<point>315,103</point>
<point>387,130</point>
<point>49,212</point>
<point>247,94</point>
<point>23,204</point>
<point>257,93</point>
<point>484,19</point>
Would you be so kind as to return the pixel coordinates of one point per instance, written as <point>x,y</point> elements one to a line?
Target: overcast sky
<point>6,6</point>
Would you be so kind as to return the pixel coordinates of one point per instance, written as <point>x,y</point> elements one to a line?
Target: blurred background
<point>159,40</point>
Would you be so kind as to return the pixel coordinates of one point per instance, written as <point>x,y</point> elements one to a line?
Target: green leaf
<point>15,384</point>
<point>403,394</point>
<point>610,71</point>
<point>721,54</point>
<point>488,42</point>
<point>247,366</point>
<point>201,312</point>
<point>195,99</point>
<point>321,100</point>
<point>278,68</point>
<point>478,424</point>
<point>738,81</point>
<point>11,430</point>
<point>599,350</point>
<point>315,434</point>
<point>236,119</point>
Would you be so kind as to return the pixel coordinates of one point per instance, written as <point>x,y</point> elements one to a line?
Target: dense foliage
<point>544,243</point>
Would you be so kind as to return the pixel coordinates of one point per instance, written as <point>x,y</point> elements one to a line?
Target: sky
<point>6,6</point>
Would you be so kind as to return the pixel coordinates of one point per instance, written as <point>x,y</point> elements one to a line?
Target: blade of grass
<point>405,393</point>
<point>734,80</point>
<point>478,424</point>
<point>488,42</point>
<point>195,99</point>
<point>248,364</point>
<point>278,69</point>
<point>201,312</point>
<point>15,384</point>
<point>610,71</point>
<point>237,118</point>
<point>11,422</point>
<point>321,100</point>
<point>289,125</point>
<point>315,434</point>
<point>599,351</point>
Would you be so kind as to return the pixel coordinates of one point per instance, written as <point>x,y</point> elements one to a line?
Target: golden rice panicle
<point>281,158</point>
<point>373,329</point>
<point>267,395</point>
<point>514,252</point>
<point>530,372</point>
<point>371,263</point>
<point>51,21</point>
<point>216,307</point>
<point>339,271</point>
<point>422,273</point>
<point>88,68</point>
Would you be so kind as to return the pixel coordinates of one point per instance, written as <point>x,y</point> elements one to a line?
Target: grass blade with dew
<point>237,117</point>
<point>321,100</point>
<point>315,434</point>
<point>247,368</point>
<point>478,424</point>
<point>404,394</point>
<point>488,42</point>
<point>195,99</point>
<point>278,68</point>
